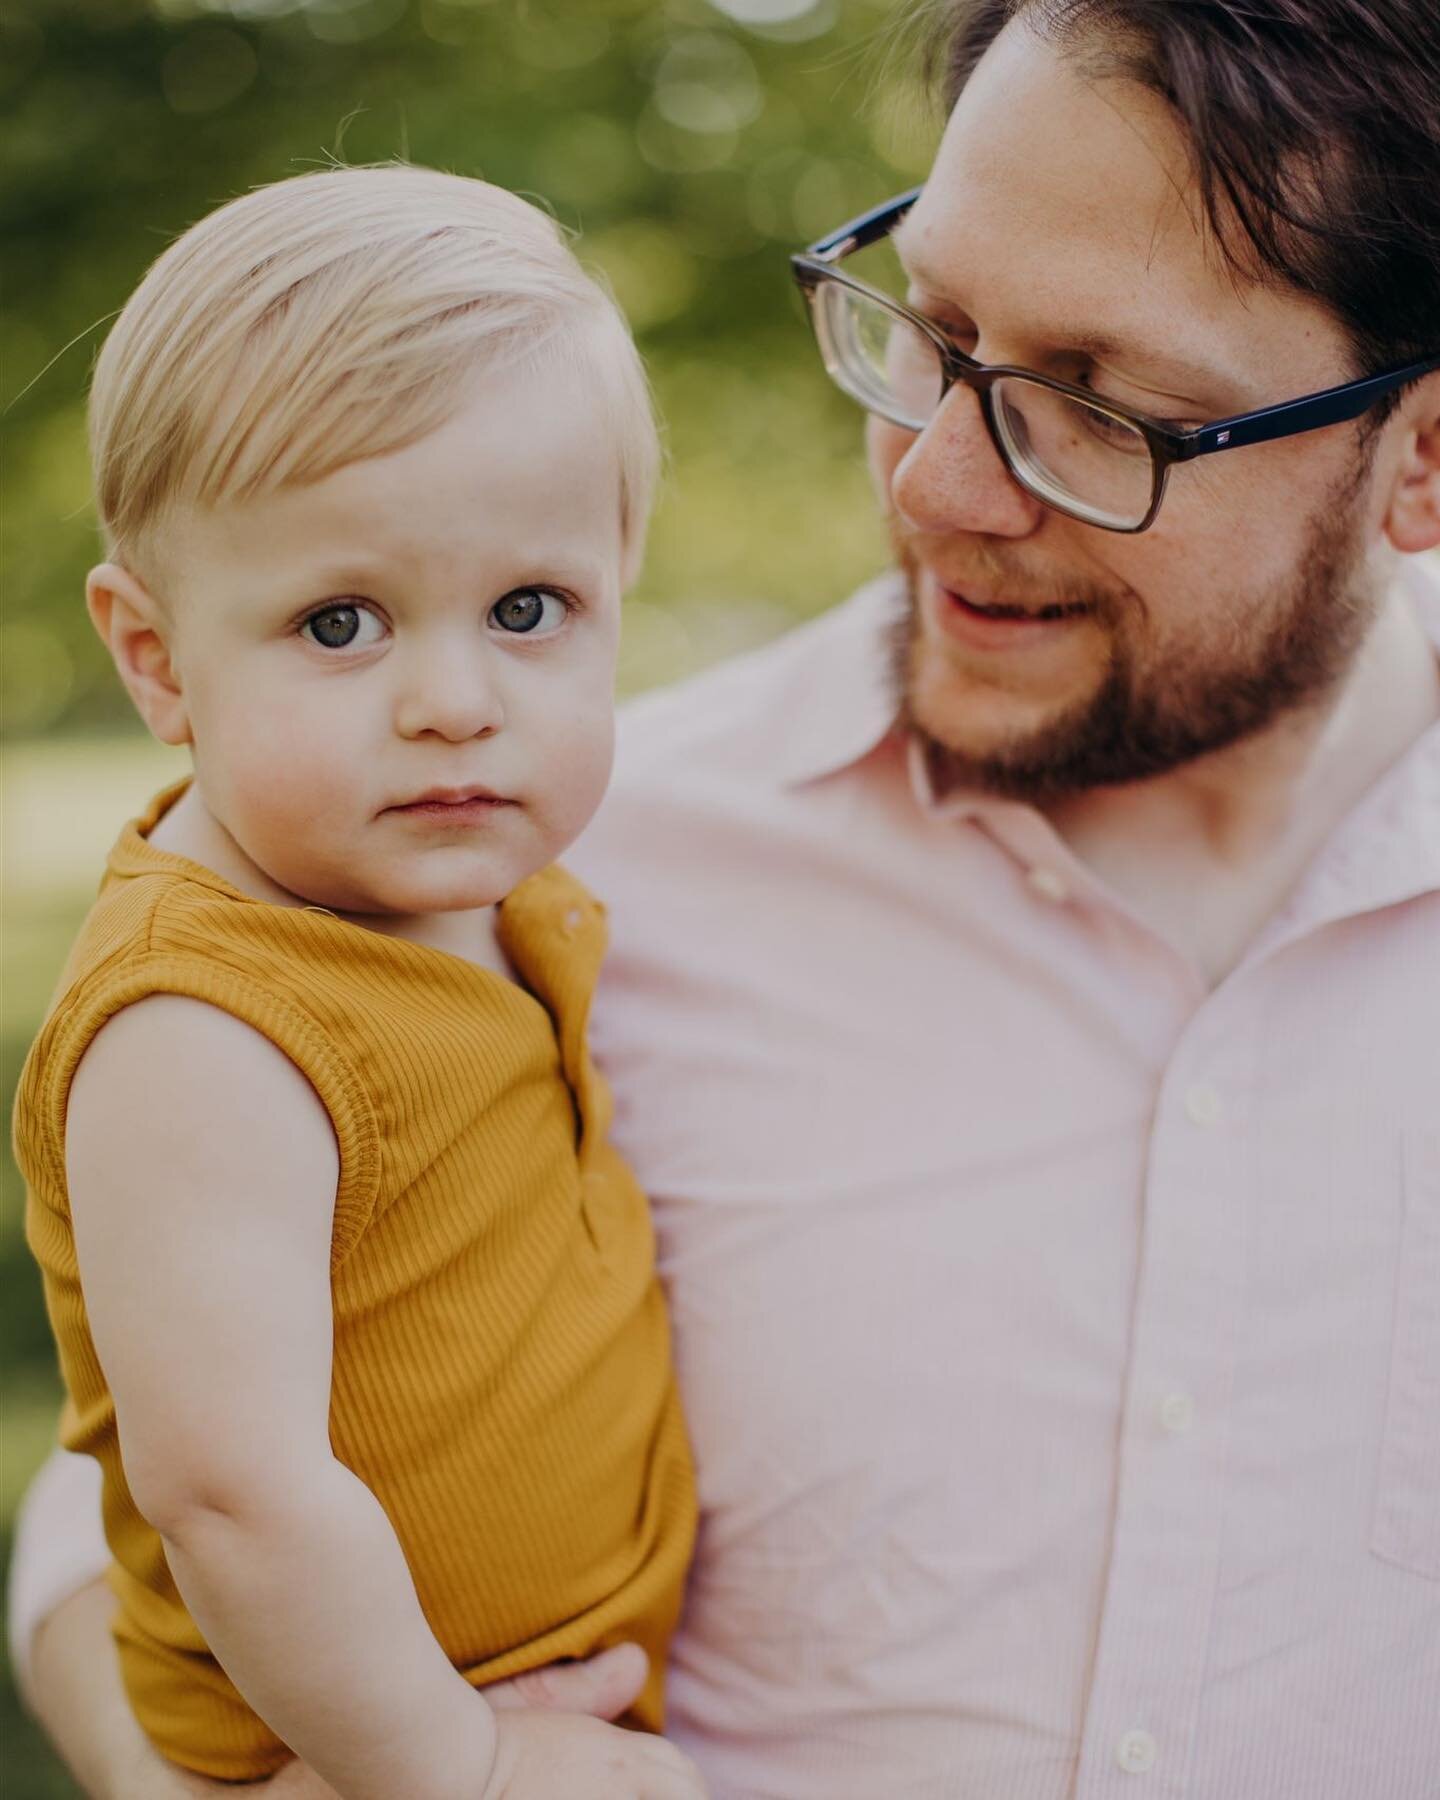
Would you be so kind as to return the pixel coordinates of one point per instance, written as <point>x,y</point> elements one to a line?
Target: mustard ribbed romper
<point>502,1376</point>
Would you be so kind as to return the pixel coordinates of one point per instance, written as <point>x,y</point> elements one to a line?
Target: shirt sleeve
<point>59,1549</point>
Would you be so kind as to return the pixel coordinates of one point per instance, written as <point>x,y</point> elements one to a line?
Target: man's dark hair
<point>1314,128</point>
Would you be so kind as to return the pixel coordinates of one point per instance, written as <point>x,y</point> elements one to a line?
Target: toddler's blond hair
<point>335,316</point>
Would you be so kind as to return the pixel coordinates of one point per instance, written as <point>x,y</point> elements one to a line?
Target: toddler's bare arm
<point>203,1229</point>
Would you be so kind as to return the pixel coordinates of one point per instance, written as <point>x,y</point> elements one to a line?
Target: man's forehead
<point>1045,158</point>
<point>1064,202</point>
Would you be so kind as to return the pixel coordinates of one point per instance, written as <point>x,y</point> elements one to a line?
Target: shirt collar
<point>850,709</point>
<point>1387,850</point>
<point>850,705</point>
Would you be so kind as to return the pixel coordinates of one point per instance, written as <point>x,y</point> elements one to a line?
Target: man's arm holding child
<point>75,1690</point>
<point>204,1235</point>
<point>74,1686</point>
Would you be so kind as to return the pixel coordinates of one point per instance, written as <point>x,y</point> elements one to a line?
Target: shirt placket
<point>1154,1633</point>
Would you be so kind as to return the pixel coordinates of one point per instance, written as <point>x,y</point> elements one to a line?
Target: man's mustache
<point>974,567</point>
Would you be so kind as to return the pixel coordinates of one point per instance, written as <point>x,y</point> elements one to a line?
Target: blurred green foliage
<point>691,143</point>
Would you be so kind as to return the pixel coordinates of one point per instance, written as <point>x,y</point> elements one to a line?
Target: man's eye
<point>530,611</point>
<point>957,331</point>
<point>341,627</point>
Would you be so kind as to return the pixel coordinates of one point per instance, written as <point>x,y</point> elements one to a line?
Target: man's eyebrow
<point>1173,366</point>
<point>1152,359</point>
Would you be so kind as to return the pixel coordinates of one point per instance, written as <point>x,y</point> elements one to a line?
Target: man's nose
<point>450,691</point>
<point>953,479</point>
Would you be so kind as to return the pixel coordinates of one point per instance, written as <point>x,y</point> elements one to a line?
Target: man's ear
<point>136,631</point>
<point>1413,520</point>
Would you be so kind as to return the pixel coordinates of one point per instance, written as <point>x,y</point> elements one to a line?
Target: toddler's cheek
<point>582,769</point>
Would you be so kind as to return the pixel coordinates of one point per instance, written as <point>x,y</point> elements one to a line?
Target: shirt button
<point>1136,1752</point>
<point>1203,1106</point>
<point>1049,885</point>
<point>1177,1413</point>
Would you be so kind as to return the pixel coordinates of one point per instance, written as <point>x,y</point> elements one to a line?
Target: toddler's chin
<point>414,900</point>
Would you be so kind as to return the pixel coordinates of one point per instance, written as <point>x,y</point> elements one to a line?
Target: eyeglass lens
<point>1072,455</point>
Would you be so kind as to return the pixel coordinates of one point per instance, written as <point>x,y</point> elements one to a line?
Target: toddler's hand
<point>564,1756</point>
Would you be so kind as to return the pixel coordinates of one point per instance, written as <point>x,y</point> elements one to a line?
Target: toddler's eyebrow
<point>337,574</point>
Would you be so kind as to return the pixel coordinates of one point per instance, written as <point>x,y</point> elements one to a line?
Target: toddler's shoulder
<point>142,925</point>
<point>173,972</point>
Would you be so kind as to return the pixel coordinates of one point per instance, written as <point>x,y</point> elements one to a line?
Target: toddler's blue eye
<point>337,627</point>
<point>530,610</point>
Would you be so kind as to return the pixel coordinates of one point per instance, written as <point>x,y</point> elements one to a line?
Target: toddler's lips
<point>456,805</point>
<point>454,796</point>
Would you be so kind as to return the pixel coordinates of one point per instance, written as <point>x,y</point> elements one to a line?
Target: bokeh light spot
<point>449,21</point>
<point>351,21</point>
<point>791,21</point>
<point>587,160</point>
<point>764,12</point>
<point>207,69</point>
<point>552,42</point>
<point>253,9</point>
<point>707,83</point>
<point>676,151</point>
<point>36,676</point>
<point>653,277</point>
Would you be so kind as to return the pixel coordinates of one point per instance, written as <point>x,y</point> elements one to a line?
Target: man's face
<point>1061,230</point>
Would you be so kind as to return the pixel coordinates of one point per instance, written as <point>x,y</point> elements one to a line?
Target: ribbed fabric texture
<point>502,1375</point>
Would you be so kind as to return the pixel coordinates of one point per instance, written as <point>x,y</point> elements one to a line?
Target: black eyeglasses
<point>1092,459</point>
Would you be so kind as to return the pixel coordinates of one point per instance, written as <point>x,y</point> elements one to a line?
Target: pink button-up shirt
<point>1060,1338</point>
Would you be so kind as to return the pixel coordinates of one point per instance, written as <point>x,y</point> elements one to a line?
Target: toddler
<point>355,1305</point>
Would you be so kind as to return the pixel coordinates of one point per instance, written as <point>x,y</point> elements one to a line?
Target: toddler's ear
<point>136,631</point>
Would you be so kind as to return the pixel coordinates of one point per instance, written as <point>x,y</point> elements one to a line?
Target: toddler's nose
<point>451,695</point>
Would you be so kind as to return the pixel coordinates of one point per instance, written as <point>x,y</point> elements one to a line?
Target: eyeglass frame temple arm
<point>1309,412</point>
<point>868,229</point>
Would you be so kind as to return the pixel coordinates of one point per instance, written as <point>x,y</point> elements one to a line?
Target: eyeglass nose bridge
<point>980,379</point>
<point>959,370</point>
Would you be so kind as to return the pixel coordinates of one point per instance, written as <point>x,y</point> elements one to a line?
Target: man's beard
<point>1291,649</point>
